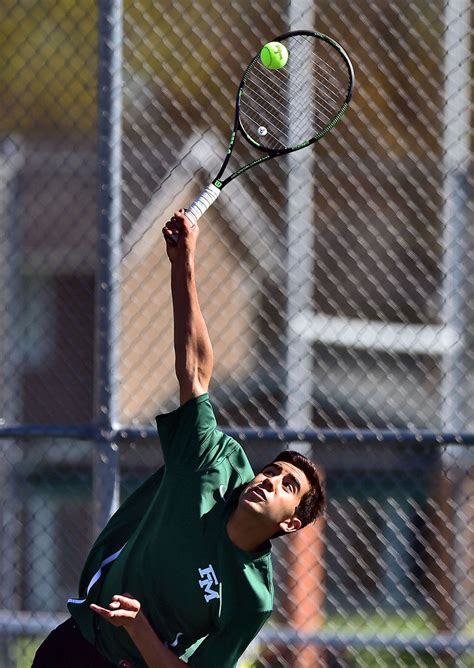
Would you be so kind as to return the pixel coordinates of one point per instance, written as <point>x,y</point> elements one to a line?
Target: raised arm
<point>192,345</point>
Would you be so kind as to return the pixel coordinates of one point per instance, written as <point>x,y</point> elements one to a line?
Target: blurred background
<point>337,285</point>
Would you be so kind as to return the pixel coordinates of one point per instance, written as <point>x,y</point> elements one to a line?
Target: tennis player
<point>181,574</point>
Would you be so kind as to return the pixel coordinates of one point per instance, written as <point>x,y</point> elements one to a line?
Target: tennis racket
<point>279,111</point>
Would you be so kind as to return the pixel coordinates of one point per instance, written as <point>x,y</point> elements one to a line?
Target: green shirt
<point>167,545</point>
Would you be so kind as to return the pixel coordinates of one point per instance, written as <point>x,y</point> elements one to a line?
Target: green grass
<point>394,624</point>
<point>24,651</point>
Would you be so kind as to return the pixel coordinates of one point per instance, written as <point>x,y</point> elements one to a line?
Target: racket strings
<point>280,122</point>
<point>286,107</point>
<point>314,87</point>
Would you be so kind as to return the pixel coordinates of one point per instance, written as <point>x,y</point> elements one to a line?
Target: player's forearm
<point>193,349</point>
<point>151,648</point>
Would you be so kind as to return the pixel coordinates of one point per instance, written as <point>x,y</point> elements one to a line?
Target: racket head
<point>283,110</point>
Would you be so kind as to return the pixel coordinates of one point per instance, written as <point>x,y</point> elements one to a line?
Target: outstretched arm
<point>192,345</point>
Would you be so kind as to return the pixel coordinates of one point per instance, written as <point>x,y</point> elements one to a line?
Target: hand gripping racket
<point>279,111</point>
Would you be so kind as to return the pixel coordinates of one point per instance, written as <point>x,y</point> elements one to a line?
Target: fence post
<point>11,160</point>
<point>304,608</point>
<point>457,314</point>
<point>106,460</point>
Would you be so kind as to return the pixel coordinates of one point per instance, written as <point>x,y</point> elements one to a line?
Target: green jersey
<point>167,546</point>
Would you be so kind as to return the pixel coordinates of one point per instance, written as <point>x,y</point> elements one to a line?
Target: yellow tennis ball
<point>274,55</point>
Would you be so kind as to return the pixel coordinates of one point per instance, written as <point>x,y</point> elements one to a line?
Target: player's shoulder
<point>233,459</point>
<point>198,407</point>
<point>233,449</point>
<point>192,441</point>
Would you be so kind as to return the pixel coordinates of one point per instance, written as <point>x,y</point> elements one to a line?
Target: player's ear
<point>291,525</point>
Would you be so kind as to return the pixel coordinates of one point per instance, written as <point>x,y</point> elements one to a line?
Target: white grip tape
<point>202,203</point>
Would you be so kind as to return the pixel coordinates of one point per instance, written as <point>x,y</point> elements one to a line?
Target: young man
<point>182,572</point>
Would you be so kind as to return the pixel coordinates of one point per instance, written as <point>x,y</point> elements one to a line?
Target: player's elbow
<point>193,379</point>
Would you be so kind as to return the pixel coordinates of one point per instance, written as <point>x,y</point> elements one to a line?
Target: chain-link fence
<point>337,286</point>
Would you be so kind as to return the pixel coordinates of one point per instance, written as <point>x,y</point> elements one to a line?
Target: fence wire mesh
<point>337,286</point>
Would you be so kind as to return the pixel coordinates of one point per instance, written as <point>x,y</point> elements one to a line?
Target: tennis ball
<point>274,55</point>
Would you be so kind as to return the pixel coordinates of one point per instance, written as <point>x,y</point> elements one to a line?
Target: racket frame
<point>218,182</point>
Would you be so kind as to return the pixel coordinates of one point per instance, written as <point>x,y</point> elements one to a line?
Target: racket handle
<point>202,203</point>
<point>198,207</point>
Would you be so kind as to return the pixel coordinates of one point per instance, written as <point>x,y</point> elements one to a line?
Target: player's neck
<point>246,534</point>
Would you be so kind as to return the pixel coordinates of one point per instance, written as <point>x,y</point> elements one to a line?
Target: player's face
<point>275,494</point>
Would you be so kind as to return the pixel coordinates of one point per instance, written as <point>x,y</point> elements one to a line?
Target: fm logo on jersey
<point>209,583</point>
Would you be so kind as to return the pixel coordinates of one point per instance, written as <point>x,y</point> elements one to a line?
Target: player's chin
<point>252,502</point>
<point>253,509</point>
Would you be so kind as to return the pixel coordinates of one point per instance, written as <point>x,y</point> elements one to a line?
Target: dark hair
<point>312,503</point>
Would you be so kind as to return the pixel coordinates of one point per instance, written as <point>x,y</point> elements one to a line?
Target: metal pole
<point>106,460</point>
<point>456,144</point>
<point>307,598</point>
<point>300,215</point>
<point>456,314</point>
<point>11,161</point>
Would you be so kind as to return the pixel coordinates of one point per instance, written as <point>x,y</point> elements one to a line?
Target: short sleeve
<point>189,436</point>
<point>225,647</point>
